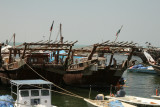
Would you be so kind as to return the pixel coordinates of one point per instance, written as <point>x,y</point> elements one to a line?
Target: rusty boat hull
<point>82,78</point>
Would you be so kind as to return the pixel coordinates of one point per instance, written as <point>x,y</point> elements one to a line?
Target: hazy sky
<point>88,21</point>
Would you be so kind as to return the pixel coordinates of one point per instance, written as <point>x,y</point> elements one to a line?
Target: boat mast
<point>1,55</point>
<point>112,54</point>
<point>14,35</point>
<point>92,52</point>
<point>61,37</point>
<point>51,31</point>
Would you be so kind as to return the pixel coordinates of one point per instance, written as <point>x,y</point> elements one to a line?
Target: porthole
<point>25,102</point>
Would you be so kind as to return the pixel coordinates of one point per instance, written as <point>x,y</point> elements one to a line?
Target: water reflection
<point>141,84</point>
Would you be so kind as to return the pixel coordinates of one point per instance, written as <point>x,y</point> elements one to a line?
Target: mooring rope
<point>76,96</point>
<point>53,83</point>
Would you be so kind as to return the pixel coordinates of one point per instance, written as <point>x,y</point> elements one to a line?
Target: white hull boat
<point>105,103</point>
<point>137,100</point>
<point>141,69</point>
<point>32,96</point>
<point>97,103</point>
<point>156,97</point>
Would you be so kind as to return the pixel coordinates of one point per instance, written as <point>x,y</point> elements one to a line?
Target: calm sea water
<point>139,84</point>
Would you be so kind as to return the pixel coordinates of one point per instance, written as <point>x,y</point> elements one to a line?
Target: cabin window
<point>35,60</point>
<point>45,92</point>
<point>31,60</point>
<point>34,92</point>
<point>35,101</point>
<point>24,93</point>
<point>45,60</point>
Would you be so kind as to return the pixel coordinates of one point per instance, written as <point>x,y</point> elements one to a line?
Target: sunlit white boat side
<point>32,93</point>
<point>104,103</point>
<point>137,100</point>
<point>156,97</point>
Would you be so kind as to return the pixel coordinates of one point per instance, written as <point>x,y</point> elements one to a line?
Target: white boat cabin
<point>32,93</point>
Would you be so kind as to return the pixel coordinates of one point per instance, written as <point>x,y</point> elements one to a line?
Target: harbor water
<point>137,84</point>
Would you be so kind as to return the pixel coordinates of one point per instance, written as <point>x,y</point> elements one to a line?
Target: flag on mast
<point>119,31</point>
<point>51,26</point>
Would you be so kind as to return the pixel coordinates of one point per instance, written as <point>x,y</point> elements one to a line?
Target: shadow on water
<point>5,90</point>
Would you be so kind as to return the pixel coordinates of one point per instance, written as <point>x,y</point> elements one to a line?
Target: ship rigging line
<point>57,35</point>
<point>53,83</point>
<point>41,88</point>
<point>10,40</point>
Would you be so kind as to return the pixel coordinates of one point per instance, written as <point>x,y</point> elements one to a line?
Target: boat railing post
<point>111,58</point>
<point>11,89</point>
<point>24,50</point>
<point>10,55</point>
<point>0,56</point>
<point>90,92</point>
<point>50,92</point>
<point>130,56</point>
<point>17,95</point>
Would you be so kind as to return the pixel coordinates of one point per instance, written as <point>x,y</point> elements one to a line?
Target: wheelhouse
<point>32,92</point>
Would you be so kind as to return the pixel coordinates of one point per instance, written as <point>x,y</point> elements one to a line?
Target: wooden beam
<point>10,52</point>
<point>130,56</point>
<point>24,51</point>
<point>36,49</point>
<point>49,44</point>
<point>66,61</point>
<point>127,46</point>
<point>57,57</point>
<point>92,52</point>
<point>111,58</point>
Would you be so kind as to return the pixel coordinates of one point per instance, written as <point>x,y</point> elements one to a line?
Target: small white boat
<point>97,103</point>
<point>142,69</point>
<point>29,95</point>
<point>137,100</point>
<point>156,97</point>
<point>105,103</point>
<point>100,102</point>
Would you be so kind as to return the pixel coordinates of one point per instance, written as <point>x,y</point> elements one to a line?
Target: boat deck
<point>75,69</point>
<point>96,103</point>
<point>1,70</point>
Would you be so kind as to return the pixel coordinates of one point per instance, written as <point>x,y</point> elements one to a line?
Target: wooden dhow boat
<point>56,61</point>
<point>155,64</point>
